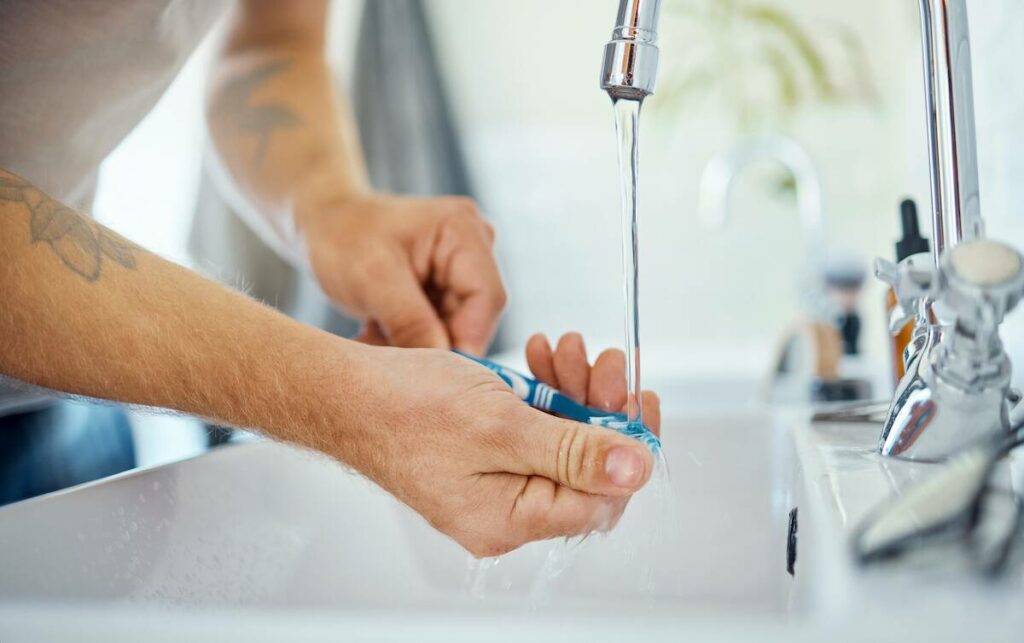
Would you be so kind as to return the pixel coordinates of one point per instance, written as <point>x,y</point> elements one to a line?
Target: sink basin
<point>264,524</point>
<point>262,541</point>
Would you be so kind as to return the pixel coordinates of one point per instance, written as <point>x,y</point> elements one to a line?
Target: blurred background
<point>840,81</point>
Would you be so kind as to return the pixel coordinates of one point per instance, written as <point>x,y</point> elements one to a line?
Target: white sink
<point>261,541</point>
<point>265,524</point>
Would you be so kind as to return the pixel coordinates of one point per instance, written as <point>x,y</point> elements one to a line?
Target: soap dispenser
<point>912,243</point>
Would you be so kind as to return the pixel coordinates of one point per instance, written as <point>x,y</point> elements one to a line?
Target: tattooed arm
<point>277,126</point>
<point>419,272</point>
<point>86,312</point>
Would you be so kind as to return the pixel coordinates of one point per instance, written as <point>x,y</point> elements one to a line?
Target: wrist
<point>321,194</point>
<point>320,391</point>
<point>356,397</point>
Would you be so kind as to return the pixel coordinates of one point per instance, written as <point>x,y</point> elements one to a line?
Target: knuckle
<point>464,212</point>
<point>572,456</point>
<point>499,298</point>
<point>532,515</point>
<point>464,205</point>
<point>489,232</point>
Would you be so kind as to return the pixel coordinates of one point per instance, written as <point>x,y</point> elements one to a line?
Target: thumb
<point>581,456</point>
<point>397,303</point>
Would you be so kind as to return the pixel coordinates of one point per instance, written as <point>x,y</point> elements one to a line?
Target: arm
<point>86,312</point>
<point>419,272</point>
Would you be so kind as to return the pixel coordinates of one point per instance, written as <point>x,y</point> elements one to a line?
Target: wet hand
<point>601,386</point>
<point>450,439</point>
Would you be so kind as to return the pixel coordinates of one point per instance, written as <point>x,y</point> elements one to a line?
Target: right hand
<point>448,438</point>
<point>419,272</point>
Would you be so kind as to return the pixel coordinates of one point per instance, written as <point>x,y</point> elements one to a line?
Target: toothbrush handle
<point>539,395</point>
<point>524,387</point>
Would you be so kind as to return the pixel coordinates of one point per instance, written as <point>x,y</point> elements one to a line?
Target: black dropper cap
<point>912,242</point>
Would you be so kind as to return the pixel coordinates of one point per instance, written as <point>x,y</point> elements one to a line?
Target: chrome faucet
<point>719,174</point>
<point>630,63</point>
<point>957,385</point>
<point>952,141</point>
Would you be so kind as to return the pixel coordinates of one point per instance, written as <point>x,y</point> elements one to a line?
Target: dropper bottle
<point>912,243</point>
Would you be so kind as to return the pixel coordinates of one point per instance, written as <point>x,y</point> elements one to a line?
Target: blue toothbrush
<point>541,396</point>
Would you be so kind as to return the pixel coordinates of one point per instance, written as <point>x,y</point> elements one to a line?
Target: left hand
<point>419,272</point>
<point>602,385</point>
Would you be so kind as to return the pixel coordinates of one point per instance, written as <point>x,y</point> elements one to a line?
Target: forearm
<point>85,312</point>
<point>281,133</point>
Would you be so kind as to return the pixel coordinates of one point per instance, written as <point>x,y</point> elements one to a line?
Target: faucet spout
<point>952,141</point>
<point>716,183</point>
<point>630,63</point>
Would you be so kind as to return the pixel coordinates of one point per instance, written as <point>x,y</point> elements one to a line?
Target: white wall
<point>539,135</point>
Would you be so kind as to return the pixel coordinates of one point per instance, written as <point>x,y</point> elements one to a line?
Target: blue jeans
<point>64,444</point>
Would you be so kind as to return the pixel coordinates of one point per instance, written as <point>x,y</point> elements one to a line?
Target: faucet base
<point>932,418</point>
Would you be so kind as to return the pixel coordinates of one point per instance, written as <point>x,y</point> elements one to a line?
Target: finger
<point>539,356</point>
<point>473,286</point>
<point>618,507</point>
<point>580,456</point>
<point>571,367</point>
<point>545,510</point>
<point>607,381</point>
<point>371,334</point>
<point>652,412</point>
<point>400,307</point>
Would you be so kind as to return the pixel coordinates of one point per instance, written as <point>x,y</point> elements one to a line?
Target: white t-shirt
<point>75,78</point>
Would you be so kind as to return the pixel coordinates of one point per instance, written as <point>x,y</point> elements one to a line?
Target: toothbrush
<point>545,398</point>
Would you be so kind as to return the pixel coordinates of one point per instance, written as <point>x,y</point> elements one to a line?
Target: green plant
<point>757,63</point>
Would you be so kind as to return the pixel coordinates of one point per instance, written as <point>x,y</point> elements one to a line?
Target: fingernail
<point>624,467</point>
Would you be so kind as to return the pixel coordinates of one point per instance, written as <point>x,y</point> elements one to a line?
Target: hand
<point>451,440</point>
<point>602,386</point>
<point>419,272</point>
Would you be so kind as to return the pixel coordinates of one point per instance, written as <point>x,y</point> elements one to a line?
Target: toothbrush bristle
<point>635,430</point>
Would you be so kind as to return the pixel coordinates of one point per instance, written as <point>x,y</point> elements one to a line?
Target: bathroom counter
<point>844,480</point>
<point>266,542</point>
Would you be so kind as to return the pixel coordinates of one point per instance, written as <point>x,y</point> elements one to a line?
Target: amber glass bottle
<point>912,243</point>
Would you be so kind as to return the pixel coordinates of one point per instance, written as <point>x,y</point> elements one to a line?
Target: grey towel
<point>410,143</point>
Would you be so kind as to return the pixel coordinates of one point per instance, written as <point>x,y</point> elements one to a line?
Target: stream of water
<point>627,123</point>
<point>563,552</point>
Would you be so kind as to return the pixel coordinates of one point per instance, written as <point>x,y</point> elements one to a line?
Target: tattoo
<point>81,244</point>
<point>260,119</point>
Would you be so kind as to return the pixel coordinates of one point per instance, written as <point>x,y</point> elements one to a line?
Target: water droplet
<point>476,575</point>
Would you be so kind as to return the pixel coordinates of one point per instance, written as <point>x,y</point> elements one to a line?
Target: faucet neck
<point>952,141</point>
<point>637,20</point>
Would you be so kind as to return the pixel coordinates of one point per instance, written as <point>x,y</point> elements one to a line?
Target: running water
<point>563,552</point>
<point>627,123</point>
<point>627,127</point>
<point>476,575</point>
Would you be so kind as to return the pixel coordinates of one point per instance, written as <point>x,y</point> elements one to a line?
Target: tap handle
<point>912,280</point>
<point>980,282</point>
<point>887,271</point>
